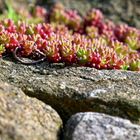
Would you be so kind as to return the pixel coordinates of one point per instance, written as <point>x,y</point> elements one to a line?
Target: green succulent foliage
<point>30,31</point>
<point>135,65</point>
<point>2,48</point>
<point>125,67</point>
<point>82,55</point>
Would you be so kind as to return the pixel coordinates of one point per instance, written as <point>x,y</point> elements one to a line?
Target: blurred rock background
<point>126,11</point>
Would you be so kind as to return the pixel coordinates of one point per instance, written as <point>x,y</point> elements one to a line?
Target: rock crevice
<point>77,89</point>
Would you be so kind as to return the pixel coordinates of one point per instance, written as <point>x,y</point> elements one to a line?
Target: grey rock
<point>97,126</point>
<point>77,89</point>
<point>24,118</point>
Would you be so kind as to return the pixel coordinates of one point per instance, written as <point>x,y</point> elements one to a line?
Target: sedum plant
<point>68,38</point>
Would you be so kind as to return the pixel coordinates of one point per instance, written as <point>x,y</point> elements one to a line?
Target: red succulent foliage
<point>69,38</point>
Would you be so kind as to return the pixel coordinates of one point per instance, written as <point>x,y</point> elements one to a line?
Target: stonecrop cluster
<point>67,37</point>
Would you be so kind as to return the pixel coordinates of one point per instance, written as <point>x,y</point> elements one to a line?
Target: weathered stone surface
<point>96,126</point>
<point>76,89</point>
<point>24,118</point>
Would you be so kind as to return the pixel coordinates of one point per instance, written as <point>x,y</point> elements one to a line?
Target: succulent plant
<point>68,17</point>
<point>67,37</point>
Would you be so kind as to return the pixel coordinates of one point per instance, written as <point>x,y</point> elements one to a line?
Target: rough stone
<point>97,126</point>
<point>25,118</point>
<point>71,89</point>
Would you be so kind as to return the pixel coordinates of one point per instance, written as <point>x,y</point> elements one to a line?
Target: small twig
<point>29,62</point>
